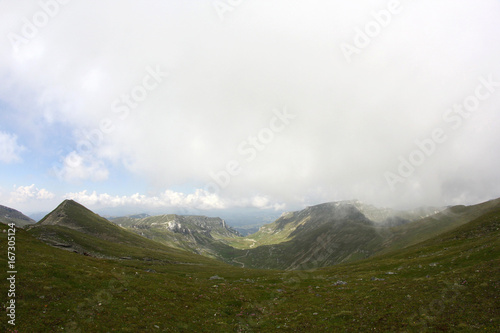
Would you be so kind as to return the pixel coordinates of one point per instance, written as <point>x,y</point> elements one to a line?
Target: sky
<point>161,106</point>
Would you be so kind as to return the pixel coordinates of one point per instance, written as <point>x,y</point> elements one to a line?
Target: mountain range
<point>340,266</point>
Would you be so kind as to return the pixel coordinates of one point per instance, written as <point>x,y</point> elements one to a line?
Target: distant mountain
<point>198,234</point>
<point>247,231</point>
<point>10,215</point>
<point>38,216</point>
<point>73,227</point>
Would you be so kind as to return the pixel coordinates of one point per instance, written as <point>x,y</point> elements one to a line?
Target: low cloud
<point>23,194</point>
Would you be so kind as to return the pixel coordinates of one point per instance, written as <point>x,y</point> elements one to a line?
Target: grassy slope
<point>447,283</point>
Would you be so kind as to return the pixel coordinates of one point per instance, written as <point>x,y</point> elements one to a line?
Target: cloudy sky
<point>237,104</point>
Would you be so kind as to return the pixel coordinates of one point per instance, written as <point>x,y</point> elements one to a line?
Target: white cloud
<point>23,194</point>
<point>225,77</point>
<point>200,199</point>
<point>76,167</point>
<point>10,150</point>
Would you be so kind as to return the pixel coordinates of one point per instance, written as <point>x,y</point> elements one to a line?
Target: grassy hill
<point>447,283</point>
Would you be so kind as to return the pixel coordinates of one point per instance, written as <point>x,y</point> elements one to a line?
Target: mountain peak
<point>73,215</point>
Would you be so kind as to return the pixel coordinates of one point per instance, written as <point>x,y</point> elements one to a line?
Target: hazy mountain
<point>10,215</point>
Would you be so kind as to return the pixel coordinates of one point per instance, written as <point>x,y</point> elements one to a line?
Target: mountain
<point>318,236</point>
<point>448,283</point>
<point>73,227</point>
<point>198,234</point>
<point>10,215</point>
<point>337,232</point>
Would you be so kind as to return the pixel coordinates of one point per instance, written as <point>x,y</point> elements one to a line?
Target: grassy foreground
<point>448,283</point>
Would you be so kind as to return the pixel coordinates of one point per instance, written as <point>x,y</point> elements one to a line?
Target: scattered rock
<point>339,283</point>
<point>216,277</point>
<point>151,271</point>
<point>377,279</point>
<point>62,245</point>
<point>390,273</point>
